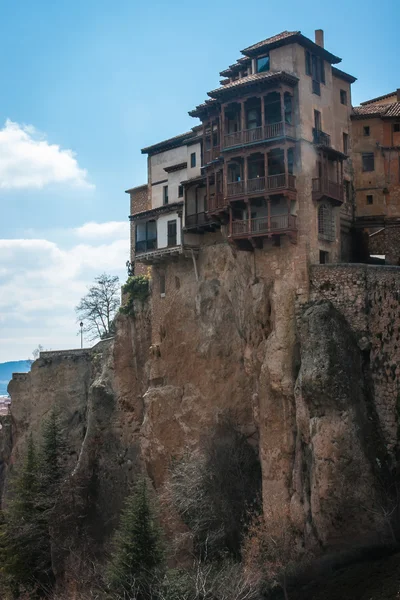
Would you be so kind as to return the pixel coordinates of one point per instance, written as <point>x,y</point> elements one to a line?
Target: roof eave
<point>298,38</point>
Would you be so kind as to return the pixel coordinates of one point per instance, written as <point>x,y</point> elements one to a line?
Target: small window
<point>396,127</point>
<point>317,120</point>
<point>370,199</point>
<point>343,97</point>
<point>316,87</point>
<point>368,161</point>
<point>308,62</point>
<point>162,284</point>
<point>263,64</point>
<point>326,224</point>
<point>165,194</point>
<point>193,160</point>
<point>290,159</point>
<point>366,131</point>
<point>180,191</point>
<point>171,233</point>
<point>347,190</point>
<point>345,143</point>
<point>323,257</point>
<point>288,108</point>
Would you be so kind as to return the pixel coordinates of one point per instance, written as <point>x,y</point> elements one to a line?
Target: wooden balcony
<point>216,203</point>
<point>272,183</point>
<point>258,134</point>
<point>211,154</point>
<point>264,226</point>
<point>320,138</point>
<point>200,222</point>
<point>325,188</point>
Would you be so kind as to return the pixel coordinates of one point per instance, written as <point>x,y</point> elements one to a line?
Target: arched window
<point>288,108</point>
<point>326,222</point>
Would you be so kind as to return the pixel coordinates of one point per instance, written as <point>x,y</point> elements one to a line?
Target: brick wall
<point>140,201</point>
<point>368,296</point>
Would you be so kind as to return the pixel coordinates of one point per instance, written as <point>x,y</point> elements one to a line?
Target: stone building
<point>268,165</point>
<point>376,160</point>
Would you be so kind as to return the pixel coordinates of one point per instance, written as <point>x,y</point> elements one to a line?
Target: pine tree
<point>138,553</point>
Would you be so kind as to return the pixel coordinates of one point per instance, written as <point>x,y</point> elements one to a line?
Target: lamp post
<point>81,326</point>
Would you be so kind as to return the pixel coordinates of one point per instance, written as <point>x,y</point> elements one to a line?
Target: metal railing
<point>321,138</point>
<point>261,225</point>
<point>257,134</point>
<point>326,187</point>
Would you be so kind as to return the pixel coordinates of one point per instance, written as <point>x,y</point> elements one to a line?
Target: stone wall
<point>368,296</point>
<point>139,201</point>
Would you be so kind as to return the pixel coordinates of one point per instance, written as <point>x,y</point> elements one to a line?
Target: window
<point>180,191</point>
<point>253,119</point>
<point>396,127</point>
<point>288,108</point>
<point>347,190</point>
<point>290,159</point>
<point>263,64</point>
<point>165,194</point>
<point>326,225</point>
<point>308,62</point>
<point>368,161</point>
<point>366,131</point>
<point>317,120</point>
<point>162,284</point>
<point>146,236</point>
<point>171,225</point>
<point>316,69</point>
<point>343,97</point>
<point>193,159</point>
<point>370,199</point>
<point>345,143</point>
<point>323,257</point>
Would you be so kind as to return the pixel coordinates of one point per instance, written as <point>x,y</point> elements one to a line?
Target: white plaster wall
<point>195,172</point>
<point>162,229</point>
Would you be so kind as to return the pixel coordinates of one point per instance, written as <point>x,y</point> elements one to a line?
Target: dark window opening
<point>276,162</point>
<point>347,190</point>
<point>316,87</point>
<point>165,194</point>
<point>316,69</point>
<point>193,159</point>
<point>396,127</point>
<point>326,225</point>
<point>370,199</point>
<point>253,118</point>
<point>263,64</point>
<point>273,108</point>
<point>317,120</point>
<point>162,284</point>
<point>323,257</point>
<point>368,161</point>
<point>343,97</point>
<point>180,191</point>
<point>290,159</point>
<point>366,131</point>
<point>146,236</point>
<point>345,143</point>
<point>288,108</point>
<point>172,241</point>
<point>234,172</point>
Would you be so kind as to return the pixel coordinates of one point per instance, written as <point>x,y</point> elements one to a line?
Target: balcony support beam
<point>242,116</point>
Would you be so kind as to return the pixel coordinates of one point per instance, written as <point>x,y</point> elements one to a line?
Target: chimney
<point>319,37</point>
<point>398,94</point>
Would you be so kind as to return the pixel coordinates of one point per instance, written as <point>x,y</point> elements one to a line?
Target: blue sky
<point>85,85</point>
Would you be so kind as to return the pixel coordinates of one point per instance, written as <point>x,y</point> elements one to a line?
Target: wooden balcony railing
<point>258,134</point>
<point>259,184</point>
<point>235,188</point>
<point>211,154</point>
<point>325,187</point>
<point>263,225</point>
<point>216,202</point>
<point>195,220</point>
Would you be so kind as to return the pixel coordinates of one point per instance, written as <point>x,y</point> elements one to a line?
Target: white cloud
<point>112,229</point>
<point>27,160</point>
<point>41,283</point>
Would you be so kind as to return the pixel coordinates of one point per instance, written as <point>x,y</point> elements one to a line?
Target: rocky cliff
<point>241,338</point>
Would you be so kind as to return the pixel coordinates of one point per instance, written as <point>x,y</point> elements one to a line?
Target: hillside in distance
<point>8,368</point>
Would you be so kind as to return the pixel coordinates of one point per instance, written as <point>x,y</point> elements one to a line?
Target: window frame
<point>343,97</point>
<point>326,222</point>
<point>165,195</point>
<point>396,128</point>
<point>365,156</point>
<point>258,58</point>
<point>366,131</point>
<point>180,191</point>
<point>370,199</point>
<point>345,142</point>
<point>193,160</point>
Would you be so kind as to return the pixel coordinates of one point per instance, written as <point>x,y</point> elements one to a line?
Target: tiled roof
<point>378,98</point>
<point>377,110</point>
<point>272,40</point>
<point>170,143</point>
<point>342,75</point>
<point>254,78</point>
<point>237,66</point>
<point>290,37</point>
<point>135,189</point>
<point>201,107</point>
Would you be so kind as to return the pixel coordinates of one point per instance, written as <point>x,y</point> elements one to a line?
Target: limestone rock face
<point>234,341</point>
<point>337,438</point>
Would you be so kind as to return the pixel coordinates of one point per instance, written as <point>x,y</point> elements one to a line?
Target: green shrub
<point>136,288</point>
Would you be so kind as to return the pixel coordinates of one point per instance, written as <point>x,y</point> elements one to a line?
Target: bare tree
<point>98,308</point>
<point>36,352</point>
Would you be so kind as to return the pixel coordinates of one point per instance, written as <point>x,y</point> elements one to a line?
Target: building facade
<point>268,166</point>
<point>376,160</point>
